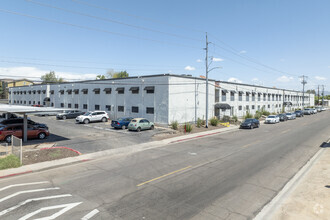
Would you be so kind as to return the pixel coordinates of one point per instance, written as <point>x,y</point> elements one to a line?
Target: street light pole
<point>207,83</point>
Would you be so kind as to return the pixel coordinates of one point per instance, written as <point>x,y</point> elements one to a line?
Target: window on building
<point>273,97</point>
<point>247,107</point>
<point>268,97</point>
<point>120,90</point>
<point>150,110</point>
<point>96,91</point>
<point>69,105</point>
<point>29,102</point>
<point>259,97</point>
<point>30,92</point>
<point>21,102</point>
<point>240,96</point>
<point>258,107</point>
<point>62,105</point>
<point>44,91</point>
<point>51,92</point>
<point>253,97</point>
<point>150,89</point>
<point>76,91</point>
<point>268,106</point>
<point>84,91</point>
<point>44,103</point>
<point>39,91</point>
<point>34,91</point>
<point>120,108</point>
<point>52,104</point>
<point>279,105</point>
<point>97,107</point>
<point>264,97</point>
<point>61,92</point>
<point>34,102</point>
<point>24,92</point>
<point>223,95</point>
<point>135,90</point>
<point>252,107</point>
<point>232,96</point>
<point>108,107</point>
<point>76,106</point>
<point>240,108</point>
<point>107,90</point>
<point>38,102</point>
<point>69,91</point>
<point>135,109</point>
<point>85,106</point>
<point>247,96</point>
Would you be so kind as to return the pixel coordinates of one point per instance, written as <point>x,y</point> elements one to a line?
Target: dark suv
<point>20,121</point>
<point>283,117</point>
<point>69,114</point>
<point>299,113</point>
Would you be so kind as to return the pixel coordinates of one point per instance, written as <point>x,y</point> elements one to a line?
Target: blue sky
<point>270,43</point>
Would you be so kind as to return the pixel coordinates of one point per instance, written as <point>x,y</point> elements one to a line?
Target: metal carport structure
<point>25,111</point>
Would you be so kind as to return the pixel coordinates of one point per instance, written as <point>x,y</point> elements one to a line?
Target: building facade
<point>160,98</point>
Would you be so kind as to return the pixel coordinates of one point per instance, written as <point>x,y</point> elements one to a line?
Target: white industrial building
<point>160,98</point>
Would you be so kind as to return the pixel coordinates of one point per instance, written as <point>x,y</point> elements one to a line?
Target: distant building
<point>5,84</point>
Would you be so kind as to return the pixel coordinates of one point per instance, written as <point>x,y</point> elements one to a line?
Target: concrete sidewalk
<point>308,197</point>
<point>112,152</point>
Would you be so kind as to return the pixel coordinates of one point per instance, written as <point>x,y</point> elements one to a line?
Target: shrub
<point>189,127</point>
<point>264,112</point>
<point>225,118</point>
<point>235,119</point>
<point>257,115</point>
<point>214,121</point>
<point>174,125</point>
<point>199,123</point>
<point>248,115</point>
<point>10,161</point>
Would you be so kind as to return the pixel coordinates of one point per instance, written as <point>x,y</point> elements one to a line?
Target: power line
<point>95,29</point>
<point>112,21</point>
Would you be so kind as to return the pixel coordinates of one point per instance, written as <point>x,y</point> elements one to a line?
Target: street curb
<point>269,209</point>
<point>111,152</point>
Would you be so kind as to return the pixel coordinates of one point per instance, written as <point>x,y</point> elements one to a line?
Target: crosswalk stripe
<point>27,191</point>
<point>22,184</point>
<point>90,215</point>
<point>32,200</point>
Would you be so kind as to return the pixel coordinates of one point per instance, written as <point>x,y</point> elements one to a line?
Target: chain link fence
<point>4,150</point>
<point>16,147</point>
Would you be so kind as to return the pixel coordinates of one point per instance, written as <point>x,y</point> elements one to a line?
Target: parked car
<point>138,124</point>
<point>272,119</point>
<point>299,113</point>
<point>20,121</point>
<point>5,116</point>
<point>37,105</point>
<point>69,114</point>
<point>290,116</point>
<point>93,117</point>
<point>250,123</point>
<point>314,110</point>
<point>121,122</point>
<point>307,111</point>
<point>6,131</point>
<point>318,109</point>
<point>283,117</point>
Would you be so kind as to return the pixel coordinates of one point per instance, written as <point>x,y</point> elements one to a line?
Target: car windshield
<point>271,116</point>
<point>248,120</point>
<point>288,113</point>
<point>134,121</point>
<point>87,113</point>
<point>120,119</point>
<point>66,111</point>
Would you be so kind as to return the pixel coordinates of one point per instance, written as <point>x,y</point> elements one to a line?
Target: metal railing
<point>4,149</point>
<point>16,147</point>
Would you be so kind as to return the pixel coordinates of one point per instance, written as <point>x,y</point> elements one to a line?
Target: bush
<point>174,125</point>
<point>264,112</point>
<point>248,115</point>
<point>200,122</point>
<point>225,118</point>
<point>189,127</point>
<point>235,119</point>
<point>214,121</point>
<point>257,115</point>
<point>10,161</point>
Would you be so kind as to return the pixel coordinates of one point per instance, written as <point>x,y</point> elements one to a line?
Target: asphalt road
<point>226,176</point>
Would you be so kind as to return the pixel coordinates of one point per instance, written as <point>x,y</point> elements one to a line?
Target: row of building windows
<point>253,98</point>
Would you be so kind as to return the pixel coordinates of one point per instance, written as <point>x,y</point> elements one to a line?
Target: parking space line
<point>90,215</point>
<point>22,184</point>
<point>32,200</point>
<point>65,208</point>
<point>27,191</point>
<point>157,178</point>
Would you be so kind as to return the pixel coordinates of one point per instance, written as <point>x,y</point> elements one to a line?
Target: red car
<point>6,131</point>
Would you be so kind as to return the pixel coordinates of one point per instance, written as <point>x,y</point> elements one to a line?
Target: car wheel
<point>86,121</point>
<point>152,127</point>
<point>138,129</point>
<point>258,126</point>
<point>42,135</point>
<point>64,117</point>
<point>251,127</point>
<point>8,139</point>
<point>123,127</point>
<point>104,119</point>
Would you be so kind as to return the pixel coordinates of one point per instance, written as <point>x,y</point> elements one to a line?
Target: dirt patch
<point>175,133</point>
<point>36,156</point>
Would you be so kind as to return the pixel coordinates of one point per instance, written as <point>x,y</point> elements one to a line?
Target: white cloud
<point>255,80</point>
<point>189,68</point>
<point>217,59</point>
<point>232,79</point>
<point>284,79</point>
<point>34,74</point>
<point>320,78</point>
<point>242,51</point>
<point>199,61</point>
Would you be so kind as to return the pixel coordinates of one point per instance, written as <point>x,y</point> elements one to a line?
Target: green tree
<point>51,78</point>
<point>100,77</point>
<point>121,74</point>
<point>312,91</point>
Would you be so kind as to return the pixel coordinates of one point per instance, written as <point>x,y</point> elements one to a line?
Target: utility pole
<point>322,95</point>
<point>318,94</point>
<point>303,81</point>
<point>207,82</point>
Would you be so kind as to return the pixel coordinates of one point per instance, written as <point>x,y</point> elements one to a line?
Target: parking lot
<point>92,137</point>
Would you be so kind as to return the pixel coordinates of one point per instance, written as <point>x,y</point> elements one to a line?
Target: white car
<point>290,116</point>
<point>92,117</point>
<point>272,119</point>
<point>314,110</point>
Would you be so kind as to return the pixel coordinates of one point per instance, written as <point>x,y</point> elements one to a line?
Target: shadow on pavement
<point>50,138</point>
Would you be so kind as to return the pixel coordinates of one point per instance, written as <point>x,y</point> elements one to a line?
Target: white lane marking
<point>32,200</point>
<point>26,191</point>
<point>90,215</point>
<point>22,184</point>
<point>66,207</point>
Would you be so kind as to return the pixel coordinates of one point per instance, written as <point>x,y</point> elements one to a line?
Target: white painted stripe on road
<point>66,207</point>
<point>27,191</point>
<point>32,200</point>
<point>22,184</point>
<point>90,215</point>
